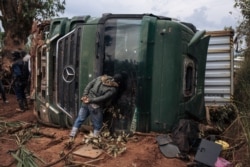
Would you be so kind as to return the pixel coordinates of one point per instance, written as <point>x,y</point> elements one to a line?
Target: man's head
<point>23,53</point>
<point>118,78</point>
<point>16,55</point>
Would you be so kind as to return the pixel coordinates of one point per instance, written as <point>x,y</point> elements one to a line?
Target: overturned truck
<point>164,61</point>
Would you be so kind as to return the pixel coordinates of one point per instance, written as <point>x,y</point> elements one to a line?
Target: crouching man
<point>97,95</point>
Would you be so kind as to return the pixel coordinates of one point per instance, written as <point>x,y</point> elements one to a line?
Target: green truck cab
<point>164,61</point>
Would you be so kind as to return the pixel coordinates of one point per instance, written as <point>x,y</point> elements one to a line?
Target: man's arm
<point>88,87</point>
<point>108,95</point>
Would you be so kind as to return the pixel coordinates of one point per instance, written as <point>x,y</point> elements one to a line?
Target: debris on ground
<point>120,149</point>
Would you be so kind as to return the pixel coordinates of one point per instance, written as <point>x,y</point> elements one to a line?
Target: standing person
<point>97,95</point>
<point>20,79</point>
<point>26,59</point>
<point>2,91</point>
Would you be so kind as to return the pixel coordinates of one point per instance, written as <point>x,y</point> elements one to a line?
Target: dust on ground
<point>142,152</point>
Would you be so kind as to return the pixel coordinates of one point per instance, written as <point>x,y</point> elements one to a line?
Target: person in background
<point>97,95</point>
<point>2,91</point>
<point>26,59</point>
<point>20,79</point>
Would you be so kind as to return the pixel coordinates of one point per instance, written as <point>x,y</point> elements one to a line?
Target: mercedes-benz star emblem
<point>68,74</point>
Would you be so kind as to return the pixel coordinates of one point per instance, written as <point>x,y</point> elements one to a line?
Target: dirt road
<point>142,152</point>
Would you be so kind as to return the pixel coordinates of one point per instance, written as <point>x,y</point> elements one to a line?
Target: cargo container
<point>219,76</point>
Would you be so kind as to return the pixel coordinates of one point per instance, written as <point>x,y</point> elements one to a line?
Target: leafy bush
<point>242,85</point>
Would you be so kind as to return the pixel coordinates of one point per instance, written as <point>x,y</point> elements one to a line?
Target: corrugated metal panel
<point>219,69</point>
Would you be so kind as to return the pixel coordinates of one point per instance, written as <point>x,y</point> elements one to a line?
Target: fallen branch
<point>4,138</point>
<point>236,146</point>
<point>91,161</point>
<point>25,126</point>
<point>107,154</point>
<point>62,158</point>
<point>87,163</point>
<point>36,132</point>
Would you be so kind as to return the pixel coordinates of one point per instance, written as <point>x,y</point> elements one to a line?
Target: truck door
<point>122,55</point>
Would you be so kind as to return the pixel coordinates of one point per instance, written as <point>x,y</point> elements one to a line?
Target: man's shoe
<point>21,105</point>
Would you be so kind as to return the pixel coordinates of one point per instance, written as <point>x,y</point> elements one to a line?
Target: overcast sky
<point>204,14</point>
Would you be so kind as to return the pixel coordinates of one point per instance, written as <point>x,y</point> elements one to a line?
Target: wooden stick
<point>82,163</point>
<point>87,162</point>
<point>94,160</point>
<point>26,126</point>
<point>57,161</point>
<point>36,132</point>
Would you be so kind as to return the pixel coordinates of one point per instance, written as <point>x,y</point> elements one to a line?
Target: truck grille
<point>68,53</point>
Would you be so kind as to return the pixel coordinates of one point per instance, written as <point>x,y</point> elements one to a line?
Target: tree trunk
<point>16,26</point>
